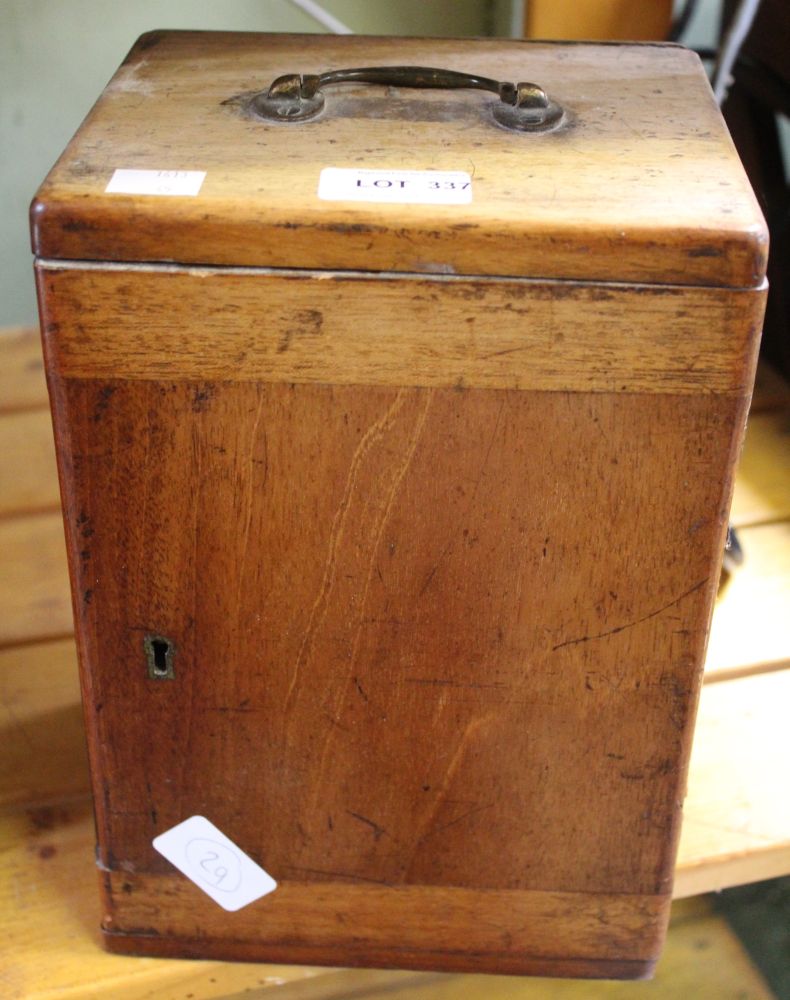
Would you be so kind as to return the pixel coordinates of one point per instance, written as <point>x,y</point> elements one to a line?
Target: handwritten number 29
<point>216,873</point>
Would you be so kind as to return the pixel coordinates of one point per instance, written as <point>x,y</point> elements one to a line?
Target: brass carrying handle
<point>525,107</point>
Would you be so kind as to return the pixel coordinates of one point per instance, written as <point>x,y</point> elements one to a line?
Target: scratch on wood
<point>432,573</point>
<point>623,628</point>
<point>333,874</point>
<point>442,682</point>
<point>463,816</point>
<point>336,722</point>
<point>378,831</point>
<point>151,808</point>
<point>507,350</point>
<point>425,831</point>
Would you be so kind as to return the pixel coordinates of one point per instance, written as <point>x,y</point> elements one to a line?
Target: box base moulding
<point>512,931</point>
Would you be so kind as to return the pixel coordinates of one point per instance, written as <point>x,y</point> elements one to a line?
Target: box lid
<point>639,182</point>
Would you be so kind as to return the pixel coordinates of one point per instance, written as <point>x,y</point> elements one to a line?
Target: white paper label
<point>163,182</point>
<point>213,862</point>
<point>402,187</point>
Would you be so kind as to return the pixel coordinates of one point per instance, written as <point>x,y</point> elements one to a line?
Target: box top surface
<point>640,183</point>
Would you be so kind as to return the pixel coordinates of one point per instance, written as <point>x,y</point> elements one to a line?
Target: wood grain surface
<point>49,912</point>
<point>22,382</point>
<point>35,601</point>
<point>743,738</point>
<point>545,933</point>
<point>643,184</point>
<point>43,735</point>
<point>49,915</point>
<point>396,642</point>
<point>243,325</point>
<point>27,463</point>
<point>406,590</point>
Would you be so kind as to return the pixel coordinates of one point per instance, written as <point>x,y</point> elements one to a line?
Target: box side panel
<point>434,642</point>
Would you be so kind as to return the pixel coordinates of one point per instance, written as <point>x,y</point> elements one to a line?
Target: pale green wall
<point>57,55</point>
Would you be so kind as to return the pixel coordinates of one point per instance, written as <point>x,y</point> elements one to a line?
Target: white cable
<point>731,46</point>
<point>317,12</point>
<point>517,18</point>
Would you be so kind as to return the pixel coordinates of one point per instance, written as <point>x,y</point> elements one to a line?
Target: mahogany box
<point>396,428</point>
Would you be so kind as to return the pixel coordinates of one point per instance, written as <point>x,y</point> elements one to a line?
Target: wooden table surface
<point>737,814</point>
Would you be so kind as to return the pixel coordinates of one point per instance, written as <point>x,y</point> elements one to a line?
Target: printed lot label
<point>401,187</point>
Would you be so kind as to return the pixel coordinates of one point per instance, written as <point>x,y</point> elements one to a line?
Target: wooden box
<point>395,502</point>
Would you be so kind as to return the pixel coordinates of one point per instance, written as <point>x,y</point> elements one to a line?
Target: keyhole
<point>159,656</point>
